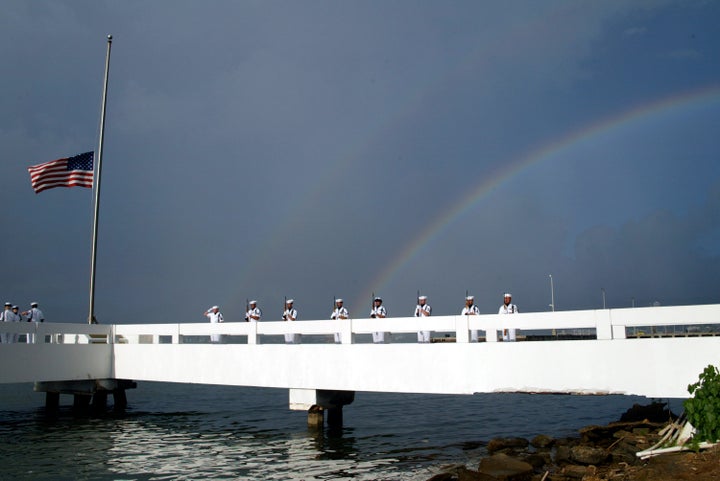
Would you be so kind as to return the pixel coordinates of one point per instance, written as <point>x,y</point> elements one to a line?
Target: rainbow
<point>544,153</point>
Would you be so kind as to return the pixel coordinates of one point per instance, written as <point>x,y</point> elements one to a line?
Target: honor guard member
<point>290,314</point>
<point>423,309</point>
<point>215,317</point>
<point>254,313</point>
<point>13,316</point>
<point>471,309</point>
<point>34,314</point>
<point>339,312</point>
<point>508,308</point>
<point>18,318</point>
<point>378,312</point>
<point>4,318</point>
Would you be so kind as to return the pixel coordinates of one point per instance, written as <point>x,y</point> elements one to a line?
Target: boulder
<point>588,454</point>
<point>505,468</point>
<point>574,471</point>
<point>497,444</point>
<point>562,454</point>
<point>542,441</point>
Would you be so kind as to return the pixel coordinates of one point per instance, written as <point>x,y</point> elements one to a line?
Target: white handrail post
<point>491,331</point>
<point>346,331</point>
<point>176,334</point>
<point>253,334</point>
<point>618,331</point>
<point>462,332</point>
<point>603,324</point>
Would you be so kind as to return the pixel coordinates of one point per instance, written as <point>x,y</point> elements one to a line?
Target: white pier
<point>653,351</point>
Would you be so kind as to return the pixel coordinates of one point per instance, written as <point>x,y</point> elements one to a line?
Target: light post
<point>552,294</point>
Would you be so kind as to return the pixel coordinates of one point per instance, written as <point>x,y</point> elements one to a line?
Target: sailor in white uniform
<point>6,316</point>
<point>423,309</point>
<point>215,316</point>
<point>340,312</point>
<point>290,314</point>
<point>471,309</point>
<point>254,313</point>
<point>34,314</point>
<point>378,312</point>
<point>17,318</point>
<point>508,308</point>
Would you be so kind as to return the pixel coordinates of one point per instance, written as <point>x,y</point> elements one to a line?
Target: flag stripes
<point>69,172</point>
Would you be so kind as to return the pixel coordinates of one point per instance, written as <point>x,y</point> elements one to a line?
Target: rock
<point>542,441</point>
<point>497,444</point>
<point>578,472</point>
<point>537,461</point>
<point>562,454</point>
<point>588,454</point>
<point>465,474</point>
<point>461,473</point>
<point>506,468</point>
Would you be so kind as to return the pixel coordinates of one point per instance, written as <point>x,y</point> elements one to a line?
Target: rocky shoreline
<point>598,453</point>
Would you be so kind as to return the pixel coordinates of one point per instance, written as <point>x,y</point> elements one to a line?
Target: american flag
<point>77,170</point>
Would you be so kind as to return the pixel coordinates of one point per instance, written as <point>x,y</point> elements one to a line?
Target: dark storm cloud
<point>257,150</point>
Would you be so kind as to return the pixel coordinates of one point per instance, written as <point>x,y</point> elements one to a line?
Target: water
<point>187,432</point>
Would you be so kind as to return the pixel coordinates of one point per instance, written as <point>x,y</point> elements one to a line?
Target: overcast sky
<point>321,149</point>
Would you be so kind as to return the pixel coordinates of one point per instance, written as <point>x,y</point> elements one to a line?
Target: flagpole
<point>98,171</point>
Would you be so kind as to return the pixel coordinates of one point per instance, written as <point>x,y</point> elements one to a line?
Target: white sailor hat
<point>422,298</point>
<point>470,298</point>
<point>33,304</point>
<point>15,307</point>
<point>214,307</point>
<point>289,301</point>
<point>378,299</point>
<point>338,300</point>
<point>8,303</point>
<point>253,302</point>
<point>507,294</point>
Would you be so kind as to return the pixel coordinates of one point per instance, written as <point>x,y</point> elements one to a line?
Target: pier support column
<point>119,400</point>
<point>316,417</point>
<point>99,401</point>
<point>315,401</point>
<point>85,392</point>
<point>52,401</point>
<point>335,417</point>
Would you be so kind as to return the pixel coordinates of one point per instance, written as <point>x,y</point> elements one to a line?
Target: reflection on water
<point>213,432</point>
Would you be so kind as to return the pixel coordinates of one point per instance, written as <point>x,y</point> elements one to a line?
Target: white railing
<point>605,324</point>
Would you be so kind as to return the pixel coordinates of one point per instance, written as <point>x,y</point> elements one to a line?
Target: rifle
<point>284,308</point>
<point>372,306</point>
<point>247,308</point>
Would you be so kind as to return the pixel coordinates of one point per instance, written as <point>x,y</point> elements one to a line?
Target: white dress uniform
<point>423,310</point>
<point>17,318</point>
<point>34,315</point>
<point>509,334</point>
<point>379,312</point>
<point>469,311</point>
<point>291,314</point>
<point>214,318</point>
<point>253,311</point>
<point>339,313</point>
<point>5,337</point>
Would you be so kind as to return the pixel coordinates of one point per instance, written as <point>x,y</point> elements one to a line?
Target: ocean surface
<point>191,432</point>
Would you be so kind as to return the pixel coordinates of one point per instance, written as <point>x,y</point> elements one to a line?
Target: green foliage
<point>703,410</point>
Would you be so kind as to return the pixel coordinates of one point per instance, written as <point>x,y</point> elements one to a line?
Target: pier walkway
<point>651,351</point>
